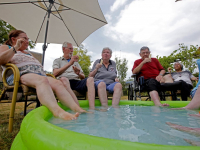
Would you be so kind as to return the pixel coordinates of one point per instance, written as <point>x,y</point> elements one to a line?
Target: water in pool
<point>145,124</point>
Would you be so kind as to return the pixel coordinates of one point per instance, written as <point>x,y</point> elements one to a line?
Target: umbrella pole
<point>47,25</point>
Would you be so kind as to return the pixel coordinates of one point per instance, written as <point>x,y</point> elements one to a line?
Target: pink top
<point>20,59</point>
<point>25,63</point>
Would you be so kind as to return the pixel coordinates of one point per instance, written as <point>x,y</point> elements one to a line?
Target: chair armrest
<point>133,75</point>
<point>50,75</point>
<point>15,71</point>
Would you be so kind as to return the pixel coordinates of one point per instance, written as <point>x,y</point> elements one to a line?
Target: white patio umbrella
<point>53,21</point>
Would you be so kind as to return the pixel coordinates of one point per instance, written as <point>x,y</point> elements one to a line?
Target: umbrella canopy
<point>54,21</point>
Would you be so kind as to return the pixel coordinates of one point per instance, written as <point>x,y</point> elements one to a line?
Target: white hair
<point>107,49</point>
<point>65,44</point>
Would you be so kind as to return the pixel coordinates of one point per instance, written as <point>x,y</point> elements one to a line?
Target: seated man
<point>184,77</point>
<point>67,67</point>
<point>105,77</point>
<point>152,71</point>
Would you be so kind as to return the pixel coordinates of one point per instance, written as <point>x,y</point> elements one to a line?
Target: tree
<point>122,69</point>
<point>184,54</point>
<point>5,28</point>
<point>84,59</point>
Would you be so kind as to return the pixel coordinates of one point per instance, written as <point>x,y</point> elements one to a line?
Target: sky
<point>159,24</point>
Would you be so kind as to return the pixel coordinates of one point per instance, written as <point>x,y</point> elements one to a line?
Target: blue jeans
<point>109,87</point>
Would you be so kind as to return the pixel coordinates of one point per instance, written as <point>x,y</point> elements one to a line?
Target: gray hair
<point>143,48</point>
<point>65,44</point>
<point>107,49</point>
<point>180,64</point>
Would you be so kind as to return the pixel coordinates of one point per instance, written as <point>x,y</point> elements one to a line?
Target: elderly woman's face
<point>25,43</point>
<point>106,54</point>
<point>177,66</point>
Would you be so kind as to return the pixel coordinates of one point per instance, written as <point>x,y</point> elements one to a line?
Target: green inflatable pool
<point>38,134</point>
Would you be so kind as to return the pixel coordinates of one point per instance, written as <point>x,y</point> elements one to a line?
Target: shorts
<point>79,85</point>
<point>109,87</point>
<point>192,93</point>
<point>10,79</point>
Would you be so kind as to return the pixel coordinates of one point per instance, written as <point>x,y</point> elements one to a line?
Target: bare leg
<point>167,79</point>
<point>194,143</point>
<point>63,95</point>
<point>102,94</point>
<point>193,131</point>
<point>117,94</point>
<point>155,97</point>
<point>46,95</point>
<point>195,103</point>
<point>91,92</point>
<point>66,84</point>
<point>195,115</point>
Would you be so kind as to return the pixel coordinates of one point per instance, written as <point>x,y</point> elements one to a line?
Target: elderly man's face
<point>68,50</point>
<point>106,54</point>
<point>177,66</point>
<point>144,53</point>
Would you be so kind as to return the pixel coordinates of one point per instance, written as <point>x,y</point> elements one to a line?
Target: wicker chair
<point>15,89</point>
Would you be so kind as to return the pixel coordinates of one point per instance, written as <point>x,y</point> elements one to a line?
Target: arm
<point>139,67</point>
<point>95,68</point>
<point>116,79</point>
<point>59,71</point>
<point>194,79</point>
<point>6,54</point>
<point>160,76</point>
<point>78,72</point>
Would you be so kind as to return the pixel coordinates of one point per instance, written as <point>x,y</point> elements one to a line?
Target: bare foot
<point>66,116</point>
<point>80,110</point>
<point>178,108</point>
<point>101,109</point>
<point>194,143</point>
<point>163,105</point>
<point>194,115</point>
<point>115,106</point>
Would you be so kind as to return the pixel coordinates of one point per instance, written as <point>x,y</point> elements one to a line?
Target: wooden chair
<point>15,89</point>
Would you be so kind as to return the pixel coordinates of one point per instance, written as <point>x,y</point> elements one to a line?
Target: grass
<point>7,138</point>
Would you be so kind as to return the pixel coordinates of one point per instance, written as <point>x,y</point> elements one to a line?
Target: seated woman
<point>183,78</point>
<point>32,75</point>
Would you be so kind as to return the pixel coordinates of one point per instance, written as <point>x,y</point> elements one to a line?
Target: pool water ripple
<point>145,124</point>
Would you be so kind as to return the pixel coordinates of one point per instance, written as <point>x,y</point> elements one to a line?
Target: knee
<point>42,80</point>
<point>101,85</point>
<point>118,86</point>
<point>168,76</point>
<point>90,80</point>
<point>64,80</point>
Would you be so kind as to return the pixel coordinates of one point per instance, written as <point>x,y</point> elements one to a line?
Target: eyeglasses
<point>69,48</point>
<point>145,53</point>
<point>25,38</point>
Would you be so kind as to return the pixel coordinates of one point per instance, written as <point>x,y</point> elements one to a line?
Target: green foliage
<point>122,69</point>
<point>5,29</point>
<point>84,59</point>
<point>184,54</point>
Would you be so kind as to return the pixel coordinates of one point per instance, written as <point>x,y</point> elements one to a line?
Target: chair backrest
<point>38,56</point>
